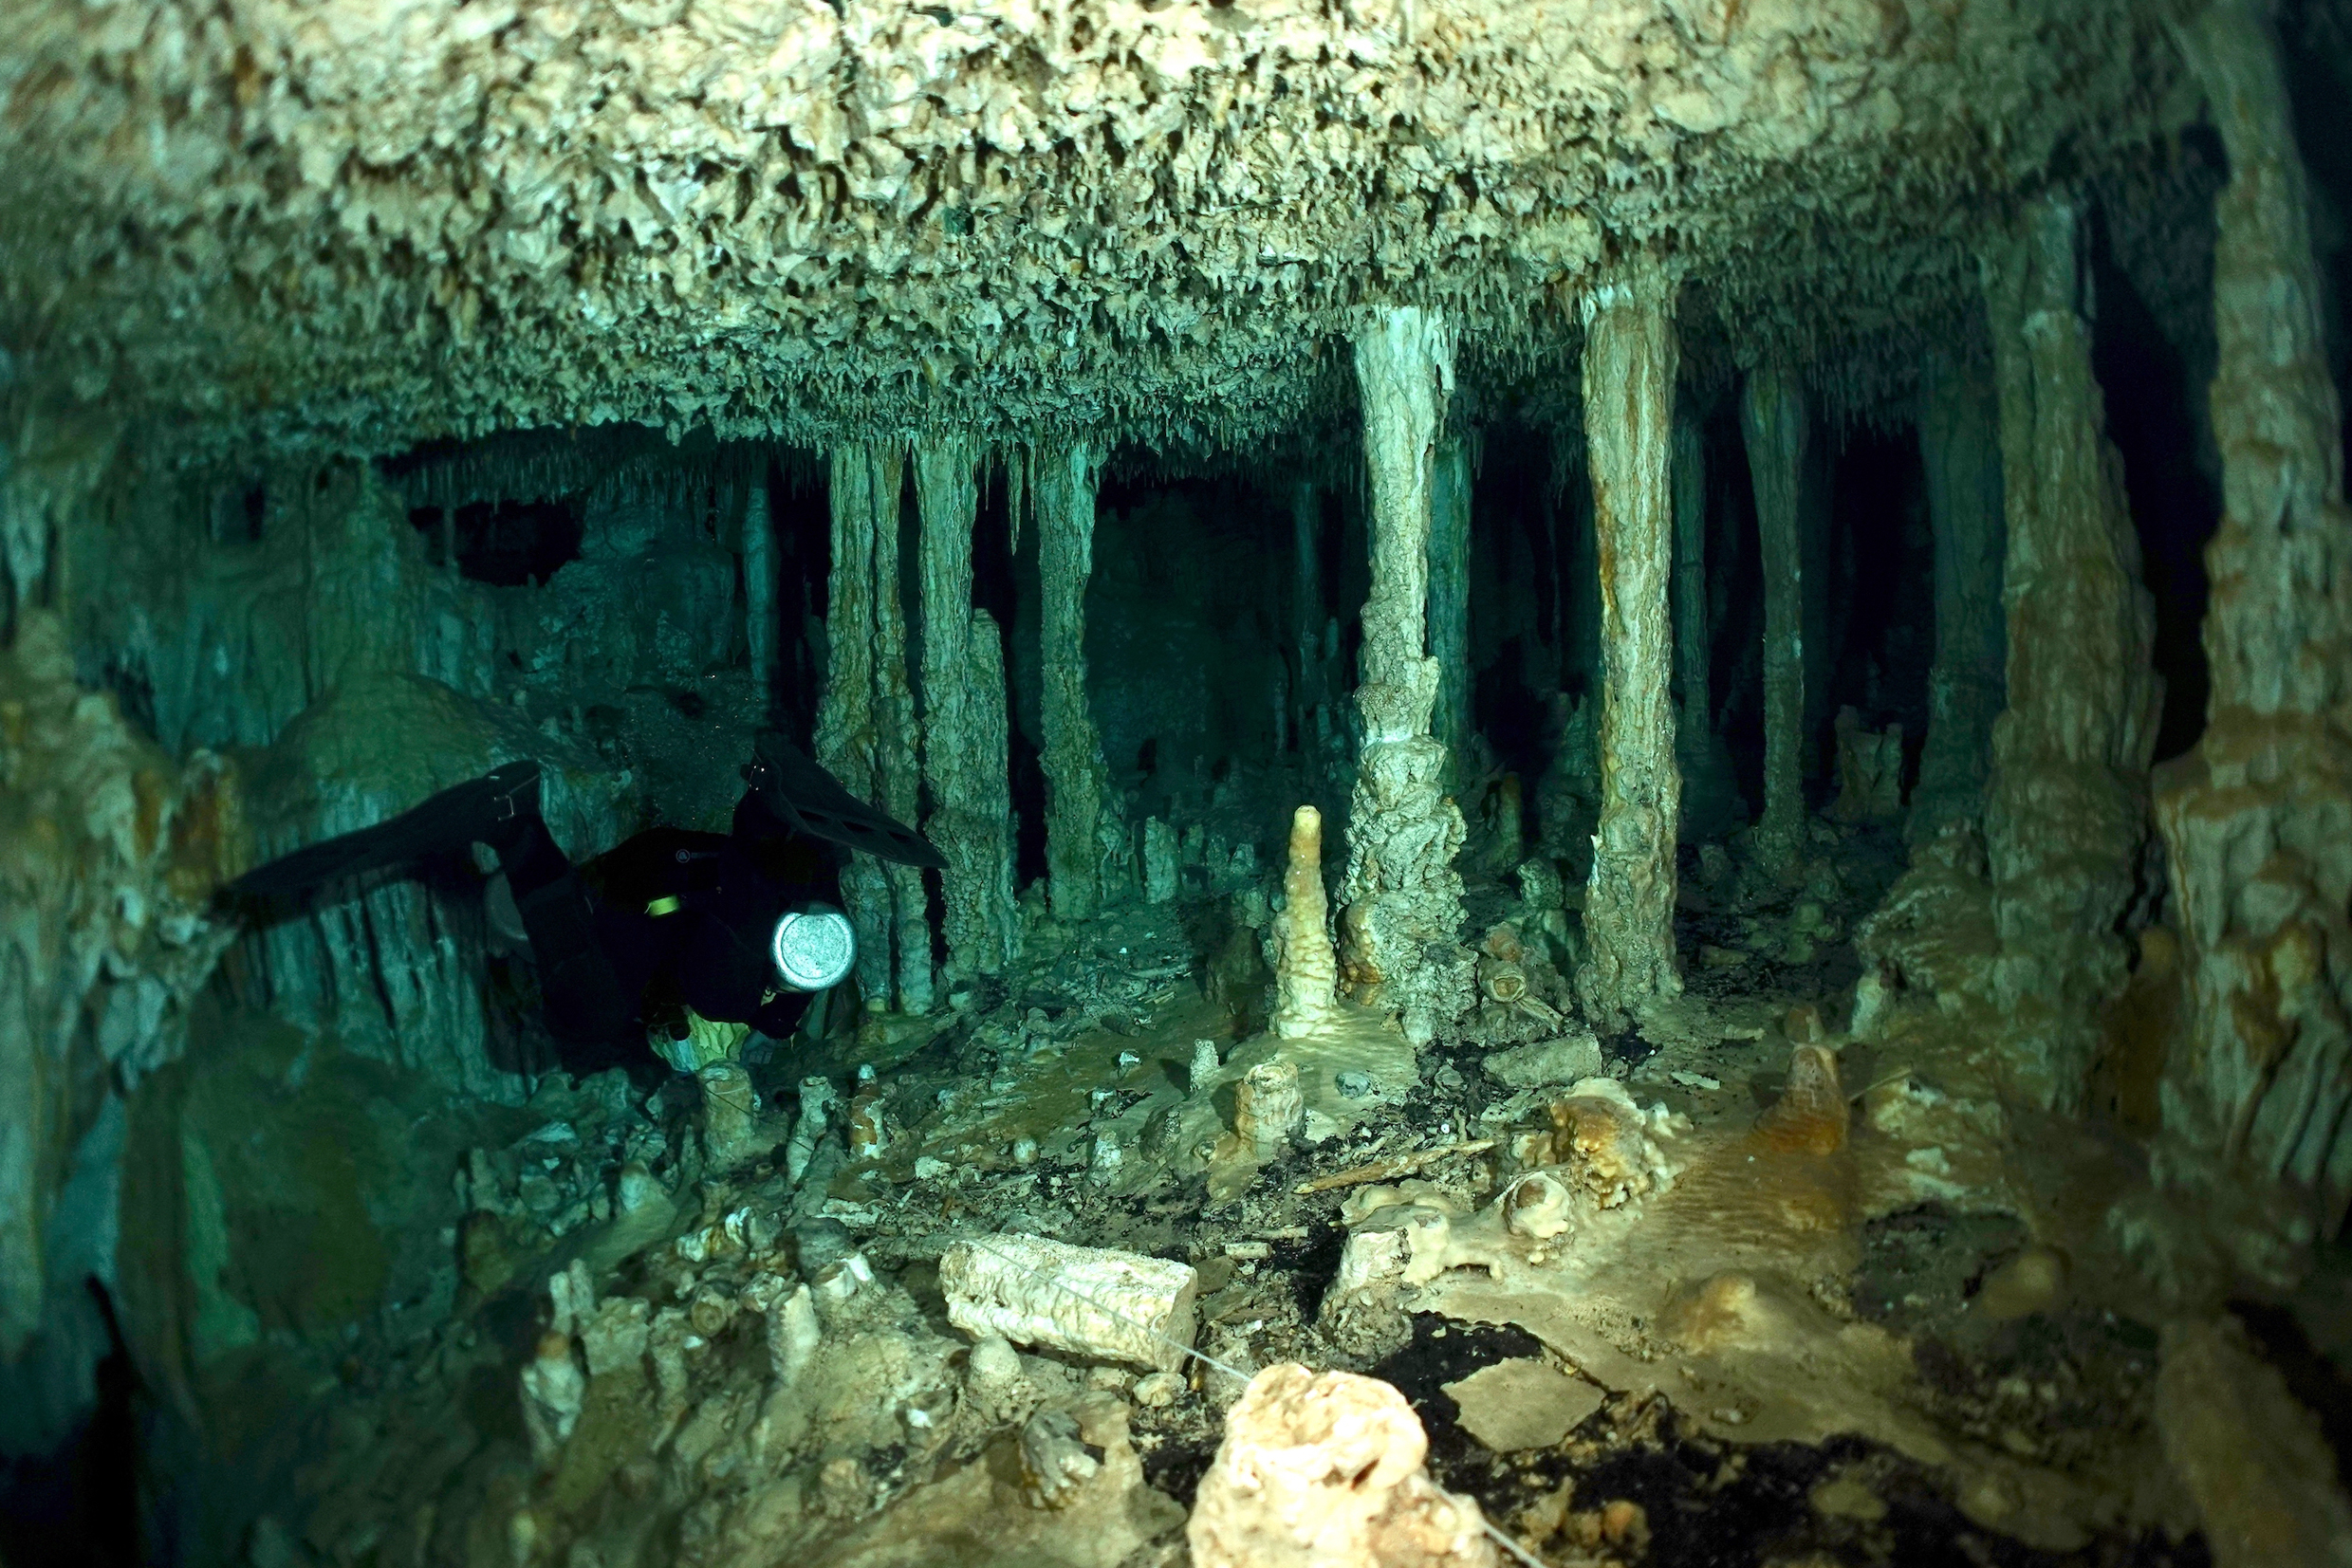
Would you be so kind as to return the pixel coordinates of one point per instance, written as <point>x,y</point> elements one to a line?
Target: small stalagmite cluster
<point>1115,785</point>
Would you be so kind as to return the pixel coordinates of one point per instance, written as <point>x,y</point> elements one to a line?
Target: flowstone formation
<point>1601,884</point>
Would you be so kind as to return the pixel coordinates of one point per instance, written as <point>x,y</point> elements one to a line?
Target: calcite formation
<point>2067,803</point>
<point>108,851</point>
<point>1053,213</point>
<point>865,485</point>
<point>1305,970</point>
<point>1085,843</point>
<point>1091,1301</point>
<point>966,767</point>
<point>1630,358</point>
<point>1329,1469</point>
<point>1960,452</point>
<point>2259,818</point>
<point>1402,898</point>
<point>1774,416</point>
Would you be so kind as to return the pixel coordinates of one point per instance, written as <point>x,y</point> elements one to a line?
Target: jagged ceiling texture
<point>368,222</point>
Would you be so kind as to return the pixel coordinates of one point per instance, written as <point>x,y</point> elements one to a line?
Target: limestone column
<point>759,588</point>
<point>1082,821</point>
<point>2067,795</point>
<point>1774,417</point>
<point>965,762</point>
<point>2258,817</point>
<point>1711,800</point>
<point>845,741</point>
<point>1449,600</point>
<point>1961,450</point>
<point>1631,355</point>
<point>1404,902</point>
<point>898,748</point>
<point>1307,608</point>
<point>1690,591</point>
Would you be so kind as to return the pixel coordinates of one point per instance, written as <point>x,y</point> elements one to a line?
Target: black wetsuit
<point>687,917</point>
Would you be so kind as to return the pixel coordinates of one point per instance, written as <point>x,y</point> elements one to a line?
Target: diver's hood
<point>805,795</point>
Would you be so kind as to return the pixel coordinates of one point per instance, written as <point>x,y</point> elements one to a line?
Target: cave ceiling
<point>359,224</point>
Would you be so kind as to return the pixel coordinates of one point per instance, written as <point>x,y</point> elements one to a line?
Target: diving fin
<point>793,785</point>
<point>480,809</point>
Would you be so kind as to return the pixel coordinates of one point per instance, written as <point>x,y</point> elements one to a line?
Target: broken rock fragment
<point>1325,1468</point>
<point>1091,1301</point>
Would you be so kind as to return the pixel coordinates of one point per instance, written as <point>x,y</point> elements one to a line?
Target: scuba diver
<point>739,927</point>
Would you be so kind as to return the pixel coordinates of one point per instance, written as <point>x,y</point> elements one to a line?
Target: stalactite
<point>2067,796</point>
<point>759,583</point>
<point>1961,450</point>
<point>1630,359</point>
<point>964,735</point>
<point>845,716</point>
<point>1404,899</point>
<point>1773,414</point>
<point>1085,848</point>
<point>2258,817</point>
<point>1449,601</point>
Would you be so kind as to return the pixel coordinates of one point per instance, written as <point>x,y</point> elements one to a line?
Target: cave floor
<point>1924,1359</point>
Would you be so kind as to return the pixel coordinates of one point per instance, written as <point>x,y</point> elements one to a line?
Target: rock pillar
<point>2258,817</point>
<point>1631,355</point>
<point>1710,800</point>
<point>759,588</point>
<point>965,762</point>
<point>1404,902</point>
<point>1773,416</point>
<point>1449,601</point>
<point>1961,450</point>
<point>863,492</point>
<point>1085,838</point>
<point>1690,591</point>
<point>2067,795</point>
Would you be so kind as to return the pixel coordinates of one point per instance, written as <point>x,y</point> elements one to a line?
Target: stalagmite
<point>1630,358</point>
<point>1082,820</point>
<point>1960,449</point>
<point>1772,414</point>
<point>759,595</point>
<point>1402,896</point>
<point>2258,817</point>
<point>1448,602</point>
<point>1304,967</point>
<point>2068,789</point>
<point>964,765</point>
<point>846,743</point>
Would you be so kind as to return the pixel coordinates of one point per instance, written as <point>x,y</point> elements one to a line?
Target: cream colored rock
<point>1268,1108</point>
<point>1324,1470</point>
<point>1402,925</point>
<point>1631,352</point>
<point>1110,1305</point>
<point>1305,970</point>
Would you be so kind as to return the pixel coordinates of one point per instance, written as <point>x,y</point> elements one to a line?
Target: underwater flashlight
<point>813,947</point>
